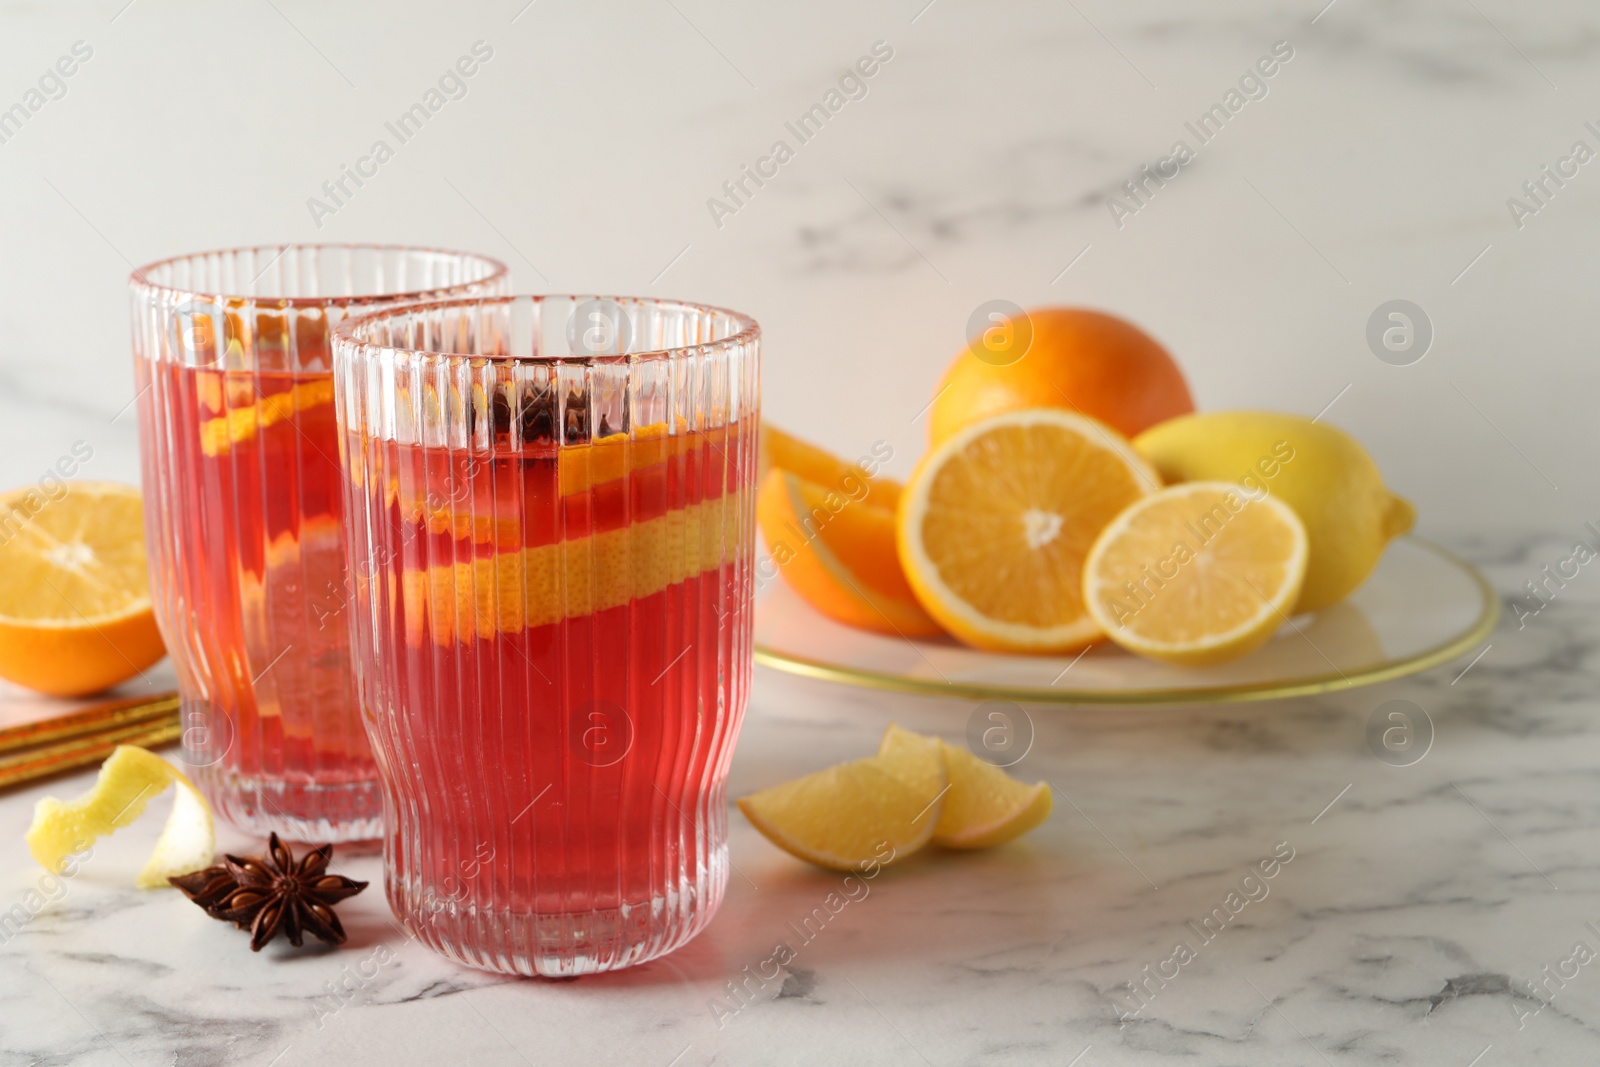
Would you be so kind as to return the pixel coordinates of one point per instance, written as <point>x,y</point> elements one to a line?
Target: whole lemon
<point>1320,472</point>
<point>1056,357</point>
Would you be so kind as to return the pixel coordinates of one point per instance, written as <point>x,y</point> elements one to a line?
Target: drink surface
<point>555,669</point>
<point>250,572</point>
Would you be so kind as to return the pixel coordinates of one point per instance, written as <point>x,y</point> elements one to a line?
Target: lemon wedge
<point>914,759</point>
<point>128,780</point>
<point>986,806</point>
<point>852,815</point>
<point>915,790</point>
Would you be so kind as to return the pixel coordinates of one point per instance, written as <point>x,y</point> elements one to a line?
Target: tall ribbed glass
<point>551,503</point>
<point>243,507</point>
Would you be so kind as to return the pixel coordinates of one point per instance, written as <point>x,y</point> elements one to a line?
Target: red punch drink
<point>266,571</point>
<point>553,552</point>
<point>244,506</point>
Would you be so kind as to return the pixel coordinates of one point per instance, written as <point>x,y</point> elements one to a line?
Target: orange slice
<point>218,435</point>
<point>605,459</point>
<point>839,554</point>
<point>995,524</point>
<point>1198,573</point>
<point>510,591</point>
<point>581,469</point>
<point>787,452</point>
<point>75,614</point>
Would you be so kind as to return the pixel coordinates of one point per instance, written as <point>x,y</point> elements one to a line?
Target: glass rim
<point>140,278</point>
<point>349,335</point>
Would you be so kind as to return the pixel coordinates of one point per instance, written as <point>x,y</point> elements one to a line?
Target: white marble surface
<point>1378,167</point>
<point>1406,928</point>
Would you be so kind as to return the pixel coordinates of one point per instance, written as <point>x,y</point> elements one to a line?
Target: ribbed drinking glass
<point>550,502</point>
<point>243,511</point>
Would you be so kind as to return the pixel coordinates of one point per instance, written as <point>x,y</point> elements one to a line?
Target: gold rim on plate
<point>1488,615</point>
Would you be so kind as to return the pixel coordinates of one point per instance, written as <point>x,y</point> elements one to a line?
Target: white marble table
<point>1420,902</point>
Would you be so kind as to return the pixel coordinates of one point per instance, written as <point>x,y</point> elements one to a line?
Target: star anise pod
<point>274,892</point>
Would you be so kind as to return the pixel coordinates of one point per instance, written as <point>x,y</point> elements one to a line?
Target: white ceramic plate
<point>1421,607</point>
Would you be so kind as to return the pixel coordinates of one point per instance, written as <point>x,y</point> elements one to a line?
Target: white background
<point>1377,167</point>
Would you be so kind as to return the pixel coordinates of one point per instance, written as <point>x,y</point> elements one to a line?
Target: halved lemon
<point>986,806</point>
<point>75,613</point>
<point>1198,573</point>
<point>838,552</point>
<point>868,811</point>
<point>994,526</point>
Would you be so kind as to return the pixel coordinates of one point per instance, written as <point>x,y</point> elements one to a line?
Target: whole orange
<point>1081,360</point>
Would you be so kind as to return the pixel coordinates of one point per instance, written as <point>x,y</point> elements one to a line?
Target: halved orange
<point>994,526</point>
<point>75,614</point>
<point>839,554</point>
<point>1198,573</point>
